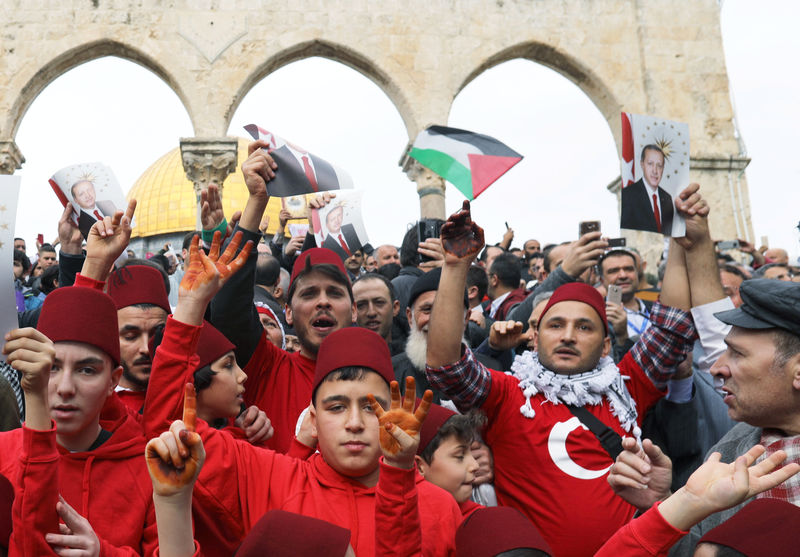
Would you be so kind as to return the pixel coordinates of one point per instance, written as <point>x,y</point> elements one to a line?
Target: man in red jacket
<point>548,464</point>
<point>93,463</point>
<point>319,302</point>
<point>388,508</point>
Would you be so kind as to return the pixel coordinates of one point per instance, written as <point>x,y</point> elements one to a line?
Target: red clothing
<point>514,297</point>
<point>279,383</point>
<point>109,486</point>
<point>550,466</point>
<point>239,482</point>
<point>468,507</point>
<point>648,535</point>
<point>248,482</point>
<point>133,400</point>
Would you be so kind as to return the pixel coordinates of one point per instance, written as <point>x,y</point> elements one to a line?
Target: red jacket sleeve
<point>34,511</point>
<point>648,535</point>
<point>397,523</point>
<point>300,450</point>
<point>173,366</point>
<point>87,282</point>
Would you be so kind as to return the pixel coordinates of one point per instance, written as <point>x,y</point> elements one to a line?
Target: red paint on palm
<point>460,236</point>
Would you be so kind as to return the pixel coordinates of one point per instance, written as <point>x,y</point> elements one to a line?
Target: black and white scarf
<point>579,389</point>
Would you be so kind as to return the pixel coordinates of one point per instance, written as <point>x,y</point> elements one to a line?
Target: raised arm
<point>666,342</point>
<point>398,529</point>
<point>232,310</point>
<point>34,510</point>
<point>450,369</point>
<point>462,240</point>
<point>173,476</point>
<point>174,360</point>
<point>107,239</point>
<point>701,261</point>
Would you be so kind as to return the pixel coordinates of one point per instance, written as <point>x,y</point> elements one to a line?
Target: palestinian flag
<point>470,161</point>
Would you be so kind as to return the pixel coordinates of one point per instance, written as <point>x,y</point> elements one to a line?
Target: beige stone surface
<point>642,56</point>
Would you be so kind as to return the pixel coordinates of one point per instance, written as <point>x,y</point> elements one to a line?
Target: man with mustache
<point>140,294</point>
<point>548,463</point>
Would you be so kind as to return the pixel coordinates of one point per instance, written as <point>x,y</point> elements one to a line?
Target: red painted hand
<point>174,459</point>
<point>400,425</point>
<point>461,237</point>
<point>206,274</point>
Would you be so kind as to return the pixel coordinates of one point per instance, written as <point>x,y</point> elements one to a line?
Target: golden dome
<point>166,202</point>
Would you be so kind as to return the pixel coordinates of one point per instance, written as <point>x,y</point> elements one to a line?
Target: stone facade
<point>643,56</point>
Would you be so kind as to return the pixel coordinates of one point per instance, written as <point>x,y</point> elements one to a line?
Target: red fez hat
<point>212,345</point>
<point>353,347</point>
<point>493,530</point>
<point>285,534</point>
<point>764,527</point>
<point>79,314</point>
<point>138,284</point>
<point>317,256</point>
<point>6,501</point>
<point>578,292</point>
<point>437,417</point>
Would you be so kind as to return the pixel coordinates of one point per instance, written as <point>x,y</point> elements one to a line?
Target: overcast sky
<point>117,112</point>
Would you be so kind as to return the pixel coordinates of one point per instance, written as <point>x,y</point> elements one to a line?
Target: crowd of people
<point>267,396</point>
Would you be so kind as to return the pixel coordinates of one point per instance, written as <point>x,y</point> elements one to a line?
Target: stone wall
<point>643,56</point>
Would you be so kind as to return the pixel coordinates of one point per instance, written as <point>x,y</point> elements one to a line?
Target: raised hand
<point>76,536</point>
<point>432,249</point>
<point>32,354</point>
<point>258,169</point>
<point>584,253</point>
<point>69,235</point>
<point>695,212</point>
<point>641,475</point>
<point>174,458</point>
<point>400,425</point>
<point>505,335</point>
<point>462,239</point>
<point>107,239</point>
<point>205,274</point>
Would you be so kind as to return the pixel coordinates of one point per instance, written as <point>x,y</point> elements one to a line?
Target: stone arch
<point>74,57</point>
<point>331,51</point>
<point>565,64</point>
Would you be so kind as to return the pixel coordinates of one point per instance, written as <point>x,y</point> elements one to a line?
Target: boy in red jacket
<point>93,465</point>
<point>347,484</point>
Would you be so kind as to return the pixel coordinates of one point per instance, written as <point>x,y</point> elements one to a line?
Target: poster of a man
<point>93,191</point>
<point>660,172</point>
<point>91,210</point>
<point>339,226</point>
<point>298,172</point>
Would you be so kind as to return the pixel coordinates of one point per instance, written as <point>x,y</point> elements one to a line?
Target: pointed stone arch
<point>331,51</point>
<point>565,64</point>
<point>74,57</point>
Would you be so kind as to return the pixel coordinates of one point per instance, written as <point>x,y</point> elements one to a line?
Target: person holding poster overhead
<point>646,205</point>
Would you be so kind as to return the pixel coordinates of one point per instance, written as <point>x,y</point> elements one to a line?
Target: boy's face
<point>346,428</point>
<point>452,468</point>
<point>81,379</point>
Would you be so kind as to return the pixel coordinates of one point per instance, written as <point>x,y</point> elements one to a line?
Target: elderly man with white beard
<point>411,362</point>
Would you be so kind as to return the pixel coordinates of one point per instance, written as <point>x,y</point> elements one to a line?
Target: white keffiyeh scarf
<point>581,389</point>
